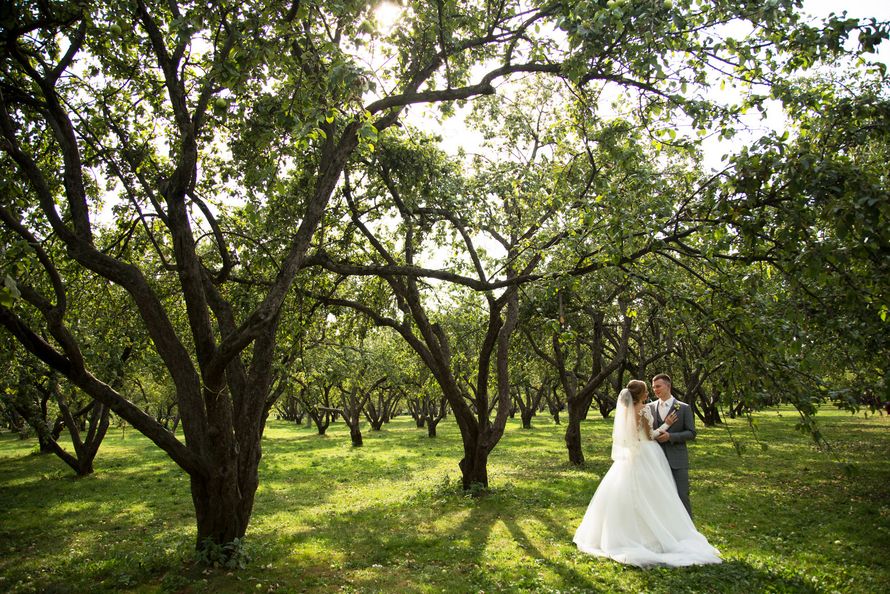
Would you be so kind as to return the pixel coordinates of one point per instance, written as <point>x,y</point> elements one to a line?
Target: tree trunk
<point>573,433</point>
<point>712,417</point>
<point>417,410</point>
<point>225,483</point>
<point>554,405</point>
<point>321,423</point>
<point>44,440</point>
<point>605,407</point>
<point>85,450</point>
<point>355,433</point>
<point>46,446</point>
<point>431,428</point>
<point>375,416</point>
<point>578,401</point>
<point>84,467</point>
<point>527,418</point>
<point>222,507</point>
<point>709,412</point>
<point>474,469</point>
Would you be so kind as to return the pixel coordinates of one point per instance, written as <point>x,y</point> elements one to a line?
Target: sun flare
<point>386,15</point>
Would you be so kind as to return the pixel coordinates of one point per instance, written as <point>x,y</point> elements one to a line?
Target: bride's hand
<point>671,419</point>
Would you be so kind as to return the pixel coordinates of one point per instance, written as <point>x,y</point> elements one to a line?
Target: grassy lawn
<point>388,517</point>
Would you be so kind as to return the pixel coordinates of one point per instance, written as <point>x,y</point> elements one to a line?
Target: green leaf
<point>9,292</point>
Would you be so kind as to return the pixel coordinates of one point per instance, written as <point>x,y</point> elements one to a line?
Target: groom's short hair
<point>664,377</point>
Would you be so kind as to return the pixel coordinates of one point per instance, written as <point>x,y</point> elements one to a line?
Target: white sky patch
<point>387,15</point>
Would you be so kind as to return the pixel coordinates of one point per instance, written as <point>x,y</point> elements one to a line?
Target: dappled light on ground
<point>390,516</point>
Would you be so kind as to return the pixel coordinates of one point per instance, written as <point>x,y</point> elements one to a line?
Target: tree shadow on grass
<point>412,547</point>
<point>731,576</point>
<point>570,575</point>
<point>122,522</point>
<point>435,538</point>
<point>57,542</point>
<point>402,547</point>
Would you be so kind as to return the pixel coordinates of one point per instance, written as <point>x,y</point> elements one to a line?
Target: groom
<point>674,425</point>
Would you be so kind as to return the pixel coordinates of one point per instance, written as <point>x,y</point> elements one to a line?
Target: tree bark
<point>355,434</point>
<point>223,504</point>
<point>415,407</point>
<point>434,414</point>
<point>321,420</point>
<point>474,467</point>
<point>526,417</point>
<point>573,432</point>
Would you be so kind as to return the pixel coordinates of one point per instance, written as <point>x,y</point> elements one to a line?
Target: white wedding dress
<point>635,516</point>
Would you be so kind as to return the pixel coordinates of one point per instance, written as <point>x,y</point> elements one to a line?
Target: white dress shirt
<point>664,409</point>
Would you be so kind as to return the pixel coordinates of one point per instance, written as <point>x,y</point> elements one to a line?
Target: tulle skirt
<point>637,518</point>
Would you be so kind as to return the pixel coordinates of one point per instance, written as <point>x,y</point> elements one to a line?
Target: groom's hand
<point>663,437</point>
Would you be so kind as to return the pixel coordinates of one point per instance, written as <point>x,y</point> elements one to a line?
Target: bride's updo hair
<point>637,388</point>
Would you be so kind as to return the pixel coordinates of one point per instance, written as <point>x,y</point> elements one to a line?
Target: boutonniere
<point>676,406</point>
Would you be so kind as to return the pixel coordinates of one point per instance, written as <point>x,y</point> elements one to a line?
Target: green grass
<point>388,517</point>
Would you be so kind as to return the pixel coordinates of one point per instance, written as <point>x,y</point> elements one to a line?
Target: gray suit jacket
<point>680,432</point>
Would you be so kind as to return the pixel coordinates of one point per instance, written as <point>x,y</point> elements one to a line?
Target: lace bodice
<point>646,431</point>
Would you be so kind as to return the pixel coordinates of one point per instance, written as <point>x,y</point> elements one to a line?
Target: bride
<point>636,516</point>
